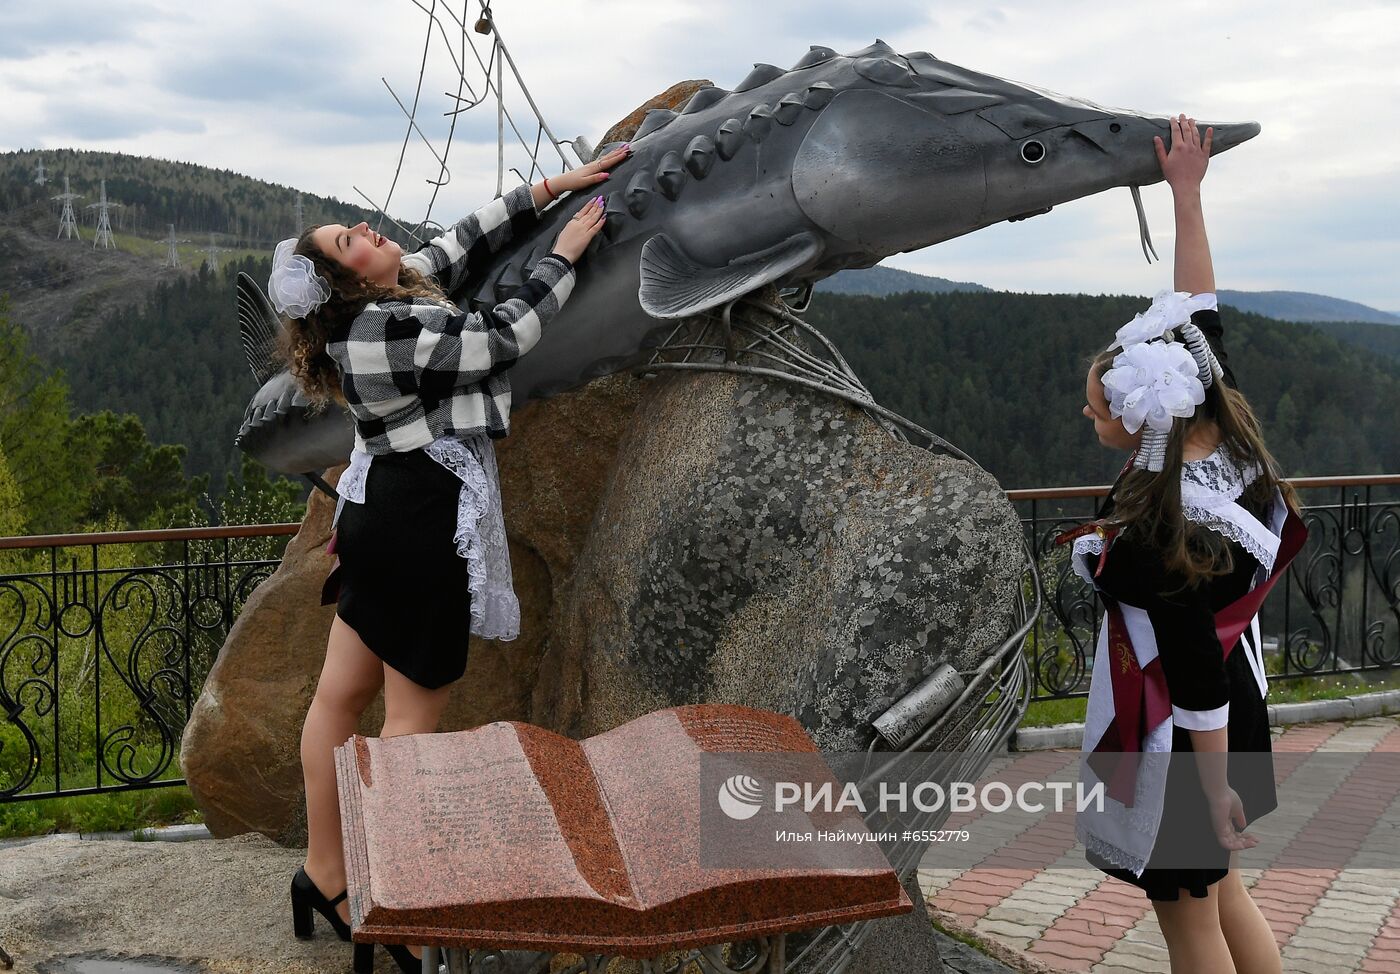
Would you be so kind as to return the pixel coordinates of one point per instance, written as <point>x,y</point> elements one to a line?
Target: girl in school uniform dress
<point>1194,533</point>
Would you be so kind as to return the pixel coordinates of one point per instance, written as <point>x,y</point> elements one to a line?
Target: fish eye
<point>1115,127</point>
<point>1032,151</point>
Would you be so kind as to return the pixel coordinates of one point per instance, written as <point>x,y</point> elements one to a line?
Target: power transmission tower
<point>212,254</point>
<point>39,176</point>
<point>300,225</point>
<point>172,257</point>
<point>67,223</point>
<point>104,225</point>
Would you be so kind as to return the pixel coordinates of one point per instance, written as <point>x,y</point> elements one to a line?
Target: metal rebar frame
<point>793,351</point>
<point>491,69</point>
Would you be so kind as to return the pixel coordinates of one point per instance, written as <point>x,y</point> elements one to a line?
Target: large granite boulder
<point>763,544</point>
<point>767,545</point>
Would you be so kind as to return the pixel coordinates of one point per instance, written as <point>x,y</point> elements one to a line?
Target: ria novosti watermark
<point>741,796</point>
<point>961,810</point>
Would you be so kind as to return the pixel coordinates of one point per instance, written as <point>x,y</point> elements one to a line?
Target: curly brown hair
<point>1149,504</point>
<point>301,343</point>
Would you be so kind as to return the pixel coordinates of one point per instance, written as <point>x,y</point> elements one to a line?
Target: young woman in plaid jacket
<point>421,545</point>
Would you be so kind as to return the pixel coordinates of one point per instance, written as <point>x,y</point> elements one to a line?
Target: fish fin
<point>257,328</point>
<point>675,285</point>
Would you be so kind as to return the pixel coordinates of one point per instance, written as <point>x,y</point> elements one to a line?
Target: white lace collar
<point>1217,474</point>
<point>1210,491</point>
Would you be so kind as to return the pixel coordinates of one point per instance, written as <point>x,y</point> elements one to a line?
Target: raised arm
<point>450,350</point>
<point>480,234</point>
<point>1184,167</point>
<point>475,237</point>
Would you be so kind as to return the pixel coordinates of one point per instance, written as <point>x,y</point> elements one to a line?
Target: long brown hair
<point>302,342</point>
<point>1149,504</point>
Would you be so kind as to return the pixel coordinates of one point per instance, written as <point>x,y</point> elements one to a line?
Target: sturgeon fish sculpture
<point>791,176</point>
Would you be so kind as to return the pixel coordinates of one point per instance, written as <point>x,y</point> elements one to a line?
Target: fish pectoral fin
<point>675,285</point>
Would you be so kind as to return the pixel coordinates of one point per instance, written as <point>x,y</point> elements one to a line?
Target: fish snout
<point>1227,135</point>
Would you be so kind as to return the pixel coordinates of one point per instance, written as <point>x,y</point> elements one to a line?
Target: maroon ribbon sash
<point>1140,703</point>
<point>1234,619</point>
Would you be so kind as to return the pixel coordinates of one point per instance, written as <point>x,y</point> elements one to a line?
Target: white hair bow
<point>1168,309</point>
<point>294,287</point>
<point>1152,382</point>
<point>1155,378</point>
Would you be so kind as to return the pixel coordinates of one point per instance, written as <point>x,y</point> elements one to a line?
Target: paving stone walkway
<point>1070,917</point>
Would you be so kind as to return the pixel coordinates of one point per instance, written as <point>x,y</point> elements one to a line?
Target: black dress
<point>403,587</point>
<point>1197,679</point>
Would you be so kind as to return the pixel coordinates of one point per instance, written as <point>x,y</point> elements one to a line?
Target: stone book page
<point>471,804</point>
<point>648,771</point>
<point>511,836</point>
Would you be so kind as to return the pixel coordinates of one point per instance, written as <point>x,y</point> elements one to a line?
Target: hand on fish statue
<point>1185,165</point>
<point>591,174</point>
<point>573,240</point>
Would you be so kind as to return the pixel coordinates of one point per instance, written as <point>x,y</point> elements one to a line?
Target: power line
<point>211,254</point>
<point>172,257</point>
<point>67,223</point>
<point>104,225</point>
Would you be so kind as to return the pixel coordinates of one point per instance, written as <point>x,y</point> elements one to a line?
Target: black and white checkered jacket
<point>414,370</point>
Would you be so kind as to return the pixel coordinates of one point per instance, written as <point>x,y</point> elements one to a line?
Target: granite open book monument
<point>510,836</point>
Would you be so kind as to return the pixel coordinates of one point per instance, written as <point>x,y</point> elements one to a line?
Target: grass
<point>1047,713</point>
<point>116,811</point>
<point>192,254</point>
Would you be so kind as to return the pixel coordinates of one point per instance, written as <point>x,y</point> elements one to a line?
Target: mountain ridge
<point>1298,306</point>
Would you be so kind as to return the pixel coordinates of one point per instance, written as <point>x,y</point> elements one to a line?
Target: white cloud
<point>293,94</point>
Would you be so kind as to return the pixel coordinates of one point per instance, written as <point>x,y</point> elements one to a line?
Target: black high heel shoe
<point>364,958</point>
<point>305,896</point>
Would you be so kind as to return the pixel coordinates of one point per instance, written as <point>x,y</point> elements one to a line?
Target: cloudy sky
<point>293,94</point>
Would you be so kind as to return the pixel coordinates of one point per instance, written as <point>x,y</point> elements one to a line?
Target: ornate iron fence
<point>105,641</point>
<point>1337,612</point>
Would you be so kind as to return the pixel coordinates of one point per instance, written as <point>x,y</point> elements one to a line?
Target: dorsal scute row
<point>669,174</point>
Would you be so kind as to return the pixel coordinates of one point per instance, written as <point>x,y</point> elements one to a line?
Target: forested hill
<point>243,213</point>
<point>1302,306</point>
<point>881,280</point>
<point>1283,305</point>
<point>1002,376</point>
<point>999,374</point>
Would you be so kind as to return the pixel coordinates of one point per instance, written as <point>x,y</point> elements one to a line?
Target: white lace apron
<point>1210,491</point>
<point>481,531</point>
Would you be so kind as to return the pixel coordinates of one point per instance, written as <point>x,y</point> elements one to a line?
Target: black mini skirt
<point>402,585</point>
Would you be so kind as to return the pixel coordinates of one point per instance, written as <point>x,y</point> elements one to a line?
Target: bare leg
<point>1249,935</point>
<point>410,709</point>
<point>1191,927</point>
<point>350,680</point>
